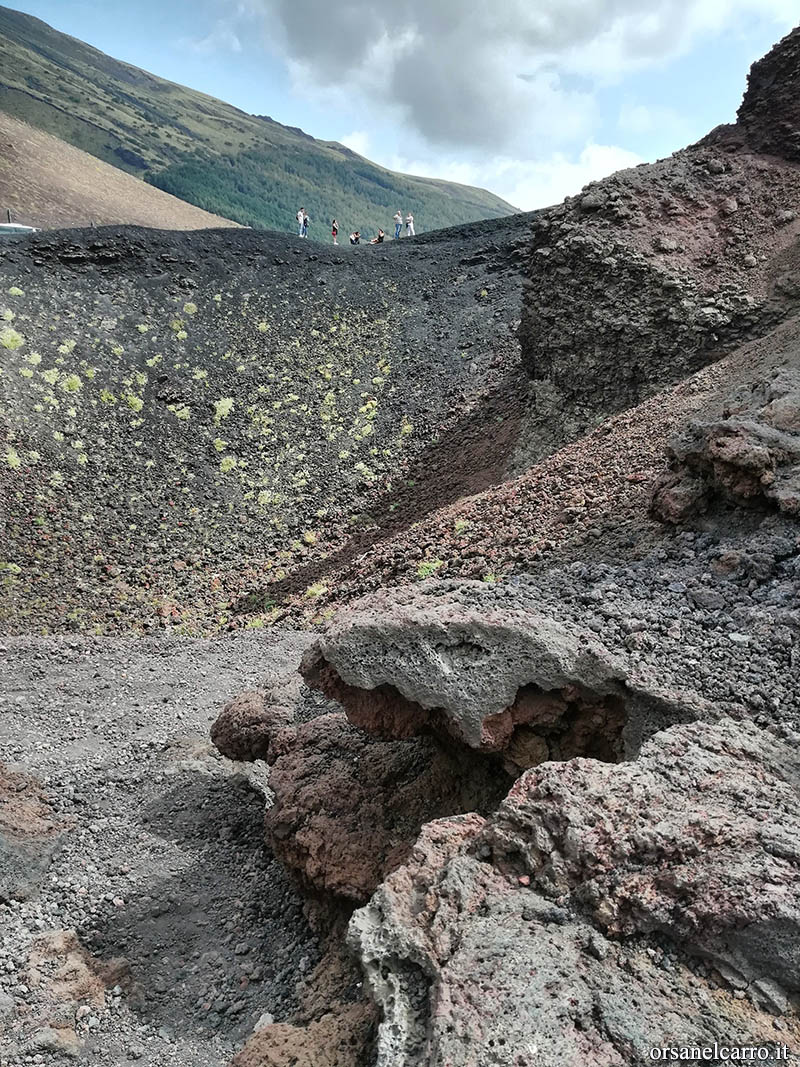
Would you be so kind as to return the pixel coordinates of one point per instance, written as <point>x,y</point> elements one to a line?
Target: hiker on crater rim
<point>410,225</point>
<point>334,231</point>
<point>300,216</point>
<point>398,224</point>
<point>304,230</point>
<point>379,239</point>
<point>355,238</point>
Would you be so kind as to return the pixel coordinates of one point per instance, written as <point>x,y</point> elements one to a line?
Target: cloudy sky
<point>529,98</point>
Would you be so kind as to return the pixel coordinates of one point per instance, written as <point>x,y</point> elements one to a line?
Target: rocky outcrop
<point>769,115</point>
<point>649,275</point>
<point>247,724</point>
<point>749,457</point>
<point>566,928</point>
<point>674,842</point>
<point>606,324</point>
<point>511,681</point>
<point>346,807</point>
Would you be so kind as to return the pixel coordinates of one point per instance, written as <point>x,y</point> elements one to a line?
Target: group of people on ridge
<point>355,236</point>
<point>398,224</point>
<point>302,222</point>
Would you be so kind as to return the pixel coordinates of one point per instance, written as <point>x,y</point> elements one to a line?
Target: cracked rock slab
<point>409,661</point>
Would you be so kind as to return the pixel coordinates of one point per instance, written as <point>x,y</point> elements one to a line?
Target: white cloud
<point>222,38</point>
<point>543,182</point>
<point>527,183</point>
<point>358,140</point>
<point>496,76</point>
<point>642,120</point>
<point>510,95</point>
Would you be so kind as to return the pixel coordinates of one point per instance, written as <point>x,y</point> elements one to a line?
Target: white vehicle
<point>11,230</point>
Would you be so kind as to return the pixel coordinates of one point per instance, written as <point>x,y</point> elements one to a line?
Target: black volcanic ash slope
<point>184,414</point>
<point>190,417</point>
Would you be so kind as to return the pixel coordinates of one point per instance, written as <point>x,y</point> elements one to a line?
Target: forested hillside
<point>247,168</point>
<point>264,188</point>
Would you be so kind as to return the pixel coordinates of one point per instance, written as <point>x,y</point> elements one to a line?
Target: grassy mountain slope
<point>245,167</point>
<point>48,183</point>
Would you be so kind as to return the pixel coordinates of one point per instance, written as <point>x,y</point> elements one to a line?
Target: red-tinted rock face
<point>348,807</point>
<point>770,112</point>
<point>500,679</point>
<point>245,726</point>
<point>658,270</point>
<point>557,724</point>
<point>681,841</point>
<point>383,711</point>
<point>495,934</point>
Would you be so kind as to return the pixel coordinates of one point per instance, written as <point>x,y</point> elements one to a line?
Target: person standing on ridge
<point>304,231</point>
<point>409,225</point>
<point>334,231</point>
<point>300,216</point>
<point>398,224</point>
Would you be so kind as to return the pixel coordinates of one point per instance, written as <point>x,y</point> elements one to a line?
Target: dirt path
<point>161,860</point>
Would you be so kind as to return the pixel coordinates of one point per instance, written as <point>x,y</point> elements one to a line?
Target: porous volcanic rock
<point>248,722</point>
<point>562,930</point>
<point>346,807</point>
<point>413,660</point>
<point>770,112</point>
<point>752,456</point>
<point>676,842</point>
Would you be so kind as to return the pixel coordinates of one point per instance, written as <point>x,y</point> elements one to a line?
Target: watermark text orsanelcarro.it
<point>720,1053</point>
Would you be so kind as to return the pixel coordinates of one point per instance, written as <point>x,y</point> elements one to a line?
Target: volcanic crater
<point>495,534</point>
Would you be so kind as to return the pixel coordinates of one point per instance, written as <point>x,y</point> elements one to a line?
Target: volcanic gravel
<point>162,859</point>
